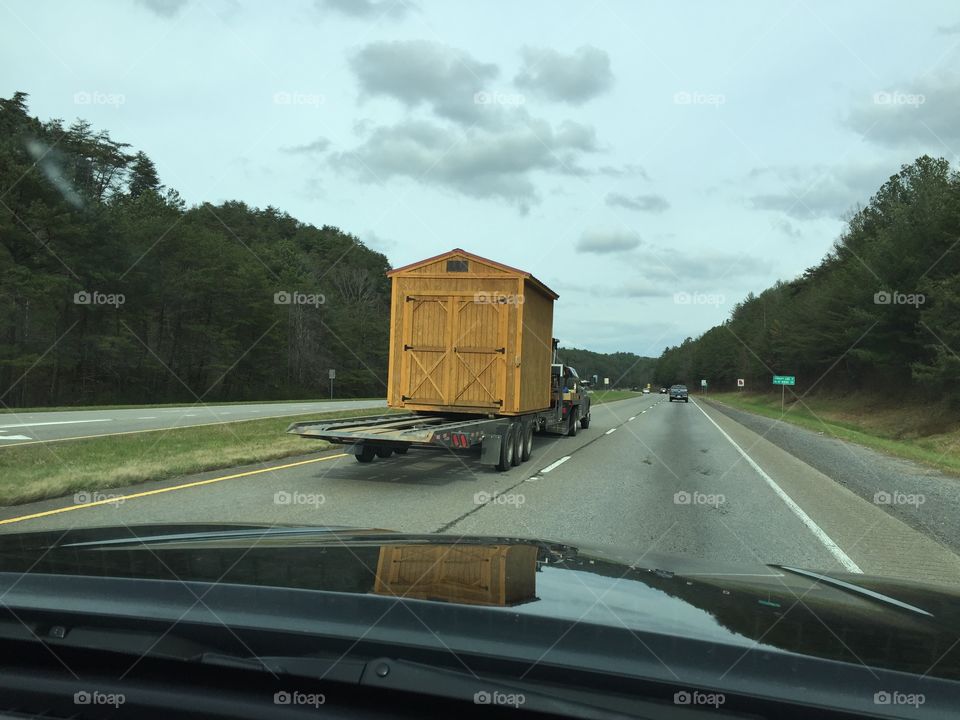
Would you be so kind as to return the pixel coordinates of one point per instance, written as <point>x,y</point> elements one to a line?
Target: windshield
<point>334,264</point>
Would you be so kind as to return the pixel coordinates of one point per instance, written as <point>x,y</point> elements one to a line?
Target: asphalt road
<point>50,426</point>
<point>649,477</point>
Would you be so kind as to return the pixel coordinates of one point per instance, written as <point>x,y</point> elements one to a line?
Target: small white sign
<point>739,382</point>
<point>703,383</point>
<point>606,381</point>
<point>333,374</point>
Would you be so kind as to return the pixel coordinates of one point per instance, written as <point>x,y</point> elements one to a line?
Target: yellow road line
<point>197,483</point>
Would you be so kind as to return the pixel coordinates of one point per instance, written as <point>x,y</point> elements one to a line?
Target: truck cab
<point>571,394</point>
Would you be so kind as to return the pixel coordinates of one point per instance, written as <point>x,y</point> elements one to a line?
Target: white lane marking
<point>611,430</point>
<point>554,466</point>
<point>834,549</point>
<point>642,412</point>
<point>147,417</point>
<point>58,422</point>
<point>15,437</point>
<point>633,418</point>
<point>190,415</point>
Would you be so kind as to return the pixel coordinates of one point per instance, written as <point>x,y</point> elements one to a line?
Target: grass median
<point>599,397</point>
<point>926,433</point>
<point>37,472</point>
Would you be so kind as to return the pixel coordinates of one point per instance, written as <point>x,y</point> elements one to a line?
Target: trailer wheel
<point>401,450</point>
<point>574,423</point>
<point>366,454</point>
<point>384,452</point>
<point>527,451</point>
<point>585,422</point>
<point>506,450</point>
<point>517,444</point>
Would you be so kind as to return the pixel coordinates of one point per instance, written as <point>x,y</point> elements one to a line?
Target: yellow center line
<point>183,486</point>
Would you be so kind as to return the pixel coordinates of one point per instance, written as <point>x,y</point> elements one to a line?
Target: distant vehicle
<point>679,392</point>
<point>663,391</point>
<point>646,391</point>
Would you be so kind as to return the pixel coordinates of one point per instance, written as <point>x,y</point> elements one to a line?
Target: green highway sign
<point>784,380</point>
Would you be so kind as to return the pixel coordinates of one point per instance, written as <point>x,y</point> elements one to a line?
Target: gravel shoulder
<point>926,499</point>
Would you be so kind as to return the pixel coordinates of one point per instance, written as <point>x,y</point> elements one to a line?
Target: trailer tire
<point>527,442</point>
<point>517,444</point>
<point>401,450</point>
<point>384,452</point>
<point>585,422</point>
<point>574,423</point>
<point>506,449</point>
<point>366,454</point>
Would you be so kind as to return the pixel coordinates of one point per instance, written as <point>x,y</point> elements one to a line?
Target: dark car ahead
<point>679,392</point>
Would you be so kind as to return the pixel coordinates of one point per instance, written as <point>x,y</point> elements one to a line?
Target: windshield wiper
<point>843,585</point>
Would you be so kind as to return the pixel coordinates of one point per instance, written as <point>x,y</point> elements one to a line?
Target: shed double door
<point>454,352</point>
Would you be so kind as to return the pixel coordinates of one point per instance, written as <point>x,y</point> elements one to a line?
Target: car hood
<point>881,622</point>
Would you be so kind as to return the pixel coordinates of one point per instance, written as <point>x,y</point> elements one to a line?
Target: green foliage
<point>624,369</point>
<point>840,324</point>
<point>198,317</point>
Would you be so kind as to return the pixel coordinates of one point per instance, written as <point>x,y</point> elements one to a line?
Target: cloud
<point>817,192</point>
<point>627,170</point>
<point>573,79</point>
<point>419,72</point>
<point>697,269</point>
<point>477,162</point>
<point>318,146</point>
<point>164,8</point>
<point>634,289</point>
<point>395,9</point>
<point>949,29</point>
<point>374,241</point>
<point>643,203</point>
<point>920,115</point>
<point>602,242</point>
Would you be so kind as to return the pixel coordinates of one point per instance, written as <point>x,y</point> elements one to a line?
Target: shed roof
<point>459,253</point>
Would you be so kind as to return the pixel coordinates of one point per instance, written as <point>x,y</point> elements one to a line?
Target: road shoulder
<point>878,542</point>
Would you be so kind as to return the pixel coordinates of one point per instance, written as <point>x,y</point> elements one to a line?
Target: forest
<point>112,290</point>
<point>880,313</point>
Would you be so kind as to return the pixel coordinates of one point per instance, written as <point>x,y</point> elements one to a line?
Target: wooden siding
<point>537,343</point>
<point>466,341</point>
<point>479,575</point>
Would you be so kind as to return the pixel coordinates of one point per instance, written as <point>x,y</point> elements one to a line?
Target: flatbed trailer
<point>503,441</point>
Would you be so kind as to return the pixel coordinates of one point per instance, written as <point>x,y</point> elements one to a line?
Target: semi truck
<point>472,366</point>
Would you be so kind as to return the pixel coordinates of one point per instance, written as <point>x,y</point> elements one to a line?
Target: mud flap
<point>490,448</point>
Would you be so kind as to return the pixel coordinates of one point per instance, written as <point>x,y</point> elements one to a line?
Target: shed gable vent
<point>457,266</point>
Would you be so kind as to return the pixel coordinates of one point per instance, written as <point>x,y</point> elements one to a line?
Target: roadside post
<point>332,374</point>
<point>703,387</point>
<point>783,381</point>
<point>740,384</point>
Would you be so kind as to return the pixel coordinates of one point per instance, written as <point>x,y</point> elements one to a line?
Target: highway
<point>649,477</point>
<point>19,428</point>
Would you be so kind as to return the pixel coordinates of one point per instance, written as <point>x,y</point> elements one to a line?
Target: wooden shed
<point>469,335</point>
<point>474,574</point>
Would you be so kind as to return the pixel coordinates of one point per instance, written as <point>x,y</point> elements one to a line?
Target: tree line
<point>112,290</point>
<point>625,370</point>
<point>880,312</point>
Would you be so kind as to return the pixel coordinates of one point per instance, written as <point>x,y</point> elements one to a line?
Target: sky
<point>651,162</point>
